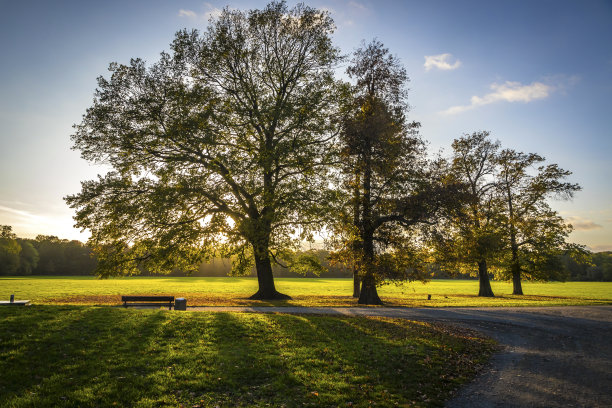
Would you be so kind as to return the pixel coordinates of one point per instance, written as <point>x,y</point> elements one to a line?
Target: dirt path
<point>551,357</point>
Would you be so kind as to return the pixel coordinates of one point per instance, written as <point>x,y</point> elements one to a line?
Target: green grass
<point>69,356</point>
<point>305,292</point>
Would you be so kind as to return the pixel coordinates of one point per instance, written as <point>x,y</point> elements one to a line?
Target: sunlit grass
<point>86,356</point>
<point>231,291</point>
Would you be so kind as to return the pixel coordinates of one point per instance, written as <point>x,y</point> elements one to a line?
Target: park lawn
<point>69,356</point>
<point>234,291</point>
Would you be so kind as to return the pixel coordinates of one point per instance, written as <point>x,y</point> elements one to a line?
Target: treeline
<point>45,255</point>
<point>599,269</point>
<point>50,255</point>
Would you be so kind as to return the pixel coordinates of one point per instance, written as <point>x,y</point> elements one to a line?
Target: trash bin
<point>180,304</point>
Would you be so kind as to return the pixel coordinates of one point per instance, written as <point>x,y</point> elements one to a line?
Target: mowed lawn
<point>305,291</point>
<point>83,356</point>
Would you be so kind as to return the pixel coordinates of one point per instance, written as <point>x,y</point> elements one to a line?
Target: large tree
<point>535,234</point>
<point>391,186</point>
<point>222,144</point>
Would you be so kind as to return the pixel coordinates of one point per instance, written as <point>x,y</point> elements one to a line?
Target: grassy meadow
<point>83,356</point>
<point>234,291</point>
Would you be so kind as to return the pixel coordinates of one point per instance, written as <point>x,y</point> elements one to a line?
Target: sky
<point>537,74</point>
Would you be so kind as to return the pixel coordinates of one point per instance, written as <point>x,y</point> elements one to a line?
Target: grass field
<point>305,292</point>
<point>79,356</point>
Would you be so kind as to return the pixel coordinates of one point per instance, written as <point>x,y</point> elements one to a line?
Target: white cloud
<point>582,224</point>
<point>210,12</point>
<point>187,13</point>
<point>509,91</point>
<point>441,61</point>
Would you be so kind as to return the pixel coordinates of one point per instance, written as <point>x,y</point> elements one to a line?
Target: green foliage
<point>471,234</point>
<point>9,256</point>
<point>28,257</point>
<point>586,266</point>
<point>221,147</point>
<point>535,234</point>
<point>390,188</point>
<point>160,358</point>
<point>506,223</point>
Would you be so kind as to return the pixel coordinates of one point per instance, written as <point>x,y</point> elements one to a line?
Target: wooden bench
<point>148,301</point>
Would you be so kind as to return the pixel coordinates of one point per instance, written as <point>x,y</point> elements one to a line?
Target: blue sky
<point>537,74</point>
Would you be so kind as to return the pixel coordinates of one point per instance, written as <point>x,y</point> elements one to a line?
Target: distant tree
<point>535,234</point>
<point>51,255</point>
<point>391,187</point>
<point>222,144</point>
<point>6,231</point>
<point>79,259</point>
<point>472,237</point>
<point>601,268</point>
<point>28,257</point>
<point>9,251</point>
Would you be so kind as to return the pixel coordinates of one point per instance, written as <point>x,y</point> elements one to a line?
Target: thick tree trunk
<point>266,291</point>
<point>260,243</point>
<point>484,282</point>
<point>369,294</point>
<point>517,287</point>
<point>356,283</point>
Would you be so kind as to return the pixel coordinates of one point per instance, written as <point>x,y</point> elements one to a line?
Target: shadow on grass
<point>75,356</point>
<point>78,356</point>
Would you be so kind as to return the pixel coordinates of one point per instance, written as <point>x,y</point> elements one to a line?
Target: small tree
<point>222,145</point>
<point>472,237</point>
<point>535,234</point>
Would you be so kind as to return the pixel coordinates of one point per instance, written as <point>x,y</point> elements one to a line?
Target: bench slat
<point>150,304</point>
<point>147,298</point>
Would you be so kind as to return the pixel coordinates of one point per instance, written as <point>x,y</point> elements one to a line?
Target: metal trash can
<point>180,304</point>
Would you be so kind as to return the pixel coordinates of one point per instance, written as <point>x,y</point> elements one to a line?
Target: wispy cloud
<point>582,224</point>
<point>357,5</point>
<point>509,91</point>
<point>187,13</point>
<point>209,12</point>
<point>28,223</point>
<point>441,61</point>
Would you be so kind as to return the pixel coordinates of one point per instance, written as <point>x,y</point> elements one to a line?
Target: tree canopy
<point>534,233</point>
<point>221,146</point>
<point>392,186</point>
<point>506,222</point>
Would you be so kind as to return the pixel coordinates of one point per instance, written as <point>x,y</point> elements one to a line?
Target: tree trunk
<point>266,291</point>
<point>356,244</point>
<point>515,267</point>
<point>483,277</point>
<point>517,287</point>
<point>356,283</point>
<point>260,243</point>
<point>369,294</point>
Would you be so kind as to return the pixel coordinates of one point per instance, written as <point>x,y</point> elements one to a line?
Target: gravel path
<point>551,356</point>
